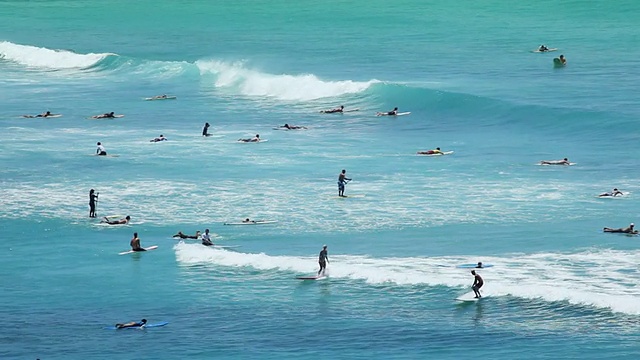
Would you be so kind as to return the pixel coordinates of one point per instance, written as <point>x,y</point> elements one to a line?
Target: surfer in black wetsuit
<point>105,116</point>
<point>205,130</point>
<point>627,230</point>
<point>93,199</point>
<point>342,180</point>
<point>477,283</point>
<point>141,323</point>
<point>47,114</point>
<point>135,243</point>
<point>323,260</point>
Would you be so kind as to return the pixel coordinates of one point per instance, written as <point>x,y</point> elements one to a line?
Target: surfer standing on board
<point>477,283</point>
<point>93,199</point>
<point>342,180</point>
<point>135,243</point>
<point>205,130</point>
<point>323,259</point>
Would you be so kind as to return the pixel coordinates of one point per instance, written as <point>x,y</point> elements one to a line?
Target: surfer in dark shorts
<point>109,115</point>
<point>431,152</point>
<point>390,113</point>
<point>205,130</point>
<point>628,230</point>
<point>564,161</point>
<point>292,127</point>
<point>117,222</point>
<point>336,110</point>
<point>342,180</point>
<point>184,236</point>
<point>101,150</point>
<point>253,139</point>
<point>323,259</point>
<point>93,199</point>
<point>614,192</point>
<point>477,283</point>
<point>206,238</point>
<point>137,324</point>
<point>135,243</point>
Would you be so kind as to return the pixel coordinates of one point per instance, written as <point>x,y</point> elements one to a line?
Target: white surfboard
<point>398,114</point>
<point>312,278</point>
<point>252,142</point>
<point>44,117</point>
<point>252,222</point>
<point>95,117</point>
<point>471,296</point>
<point>437,154</point>
<point>161,98</point>
<point>131,251</point>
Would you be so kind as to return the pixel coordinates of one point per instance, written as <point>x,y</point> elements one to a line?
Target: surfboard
<point>131,251</point>
<point>474,266</point>
<point>105,118</point>
<point>398,114</point>
<point>313,278</point>
<point>558,63</point>
<point>439,154</point>
<point>546,51</point>
<point>139,328</point>
<point>570,164</point>
<point>349,196</point>
<point>256,222</point>
<point>471,296</point>
<point>338,112</point>
<point>163,98</point>
<point>44,117</point>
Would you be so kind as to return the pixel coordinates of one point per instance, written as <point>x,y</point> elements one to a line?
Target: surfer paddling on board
<point>206,238</point>
<point>431,152</point>
<point>614,192</point>
<point>93,199</point>
<point>158,97</point>
<point>628,230</point>
<point>292,127</point>
<point>159,138</point>
<point>323,259</point>
<point>543,48</point>
<point>109,115</point>
<point>253,139</point>
<point>564,161</point>
<point>135,243</point>
<point>138,324</point>
<point>336,110</point>
<point>392,112</point>
<point>342,180</point>
<point>477,283</point>
<point>184,236</point>
<point>205,130</point>
<point>117,222</point>
<point>101,150</point>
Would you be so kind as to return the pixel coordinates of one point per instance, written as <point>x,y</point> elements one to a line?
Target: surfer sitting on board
<point>477,283</point>
<point>135,243</point>
<point>430,152</point>
<point>254,139</point>
<point>336,110</point>
<point>323,260</point>
<point>105,116</point>
<point>206,238</point>
<point>101,150</point>
<point>117,222</point>
<point>137,324</point>
<point>159,138</point>
<point>392,112</point>
<point>564,161</point>
<point>627,230</point>
<point>614,192</point>
<point>184,236</point>
<point>342,180</point>
<point>205,130</point>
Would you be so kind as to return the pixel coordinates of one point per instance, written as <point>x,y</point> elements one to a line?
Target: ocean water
<point>559,288</point>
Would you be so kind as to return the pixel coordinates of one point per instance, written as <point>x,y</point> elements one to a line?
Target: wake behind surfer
<point>138,324</point>
<point>205,130</point>
<point>93,199</point>
<point>323,259</point>
<point>342,180</point>
<point>477,283</point>
<point>101,150</point>
<point>135,243</point>
<point>628,230</point>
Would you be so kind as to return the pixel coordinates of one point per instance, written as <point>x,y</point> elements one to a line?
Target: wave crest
<point>38,57</point>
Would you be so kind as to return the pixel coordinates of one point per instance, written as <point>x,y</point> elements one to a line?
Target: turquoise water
<point>560,288</point>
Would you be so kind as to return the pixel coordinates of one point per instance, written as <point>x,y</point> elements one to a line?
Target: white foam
<point>39,57</point>
<point>251,82</point>
<point>586,278</point>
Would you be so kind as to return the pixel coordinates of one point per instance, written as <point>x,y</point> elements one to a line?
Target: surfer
<point>181,235</point>
<point>253,139</point>
<point>479,266</point>
<point>247,220</point>
<point>123,221</point>
<point>336,110</point>
<point>477,283</point>
<point>93,199</point>
<point>292,127</point>
<point>627,230</point>
<point>101,150</point>
<point>104,116</point>
<point>430,152</point>
<point>205,130</point>
<point>392,112</point>
<point>137,324</point>
<point>135,243</point>
<point>159,138</point>
<point>614,192</point>
<point>206,238</point>
<point>563,60</point>
<point>543,48</point>
<point>163,96</point>
<point>323,259</point>
<point>564,161</point>
<point>342,180</point>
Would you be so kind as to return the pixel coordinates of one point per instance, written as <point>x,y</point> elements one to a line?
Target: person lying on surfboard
<point>292,127</point>
<point>163,96</point>
<point>104,116</point>
<point>564,161</point>
<point>159,138</point>
<point>135,243</point>
<point>116,222</point>
<point>206,238</point>
<point>181,235</point>
<point>430,152</point>
<point>614,192</point>
<point>45,114</point>
<point>137,324</point>
<point>336,110</point>
<point>247,220</point>
<point>477,283</point>
<point>543,48</point>
<point>392,112</point>
<point>254,139</point>
<point>627,230</point>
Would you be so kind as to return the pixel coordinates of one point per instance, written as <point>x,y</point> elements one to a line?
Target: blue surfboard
<point>146,326</point>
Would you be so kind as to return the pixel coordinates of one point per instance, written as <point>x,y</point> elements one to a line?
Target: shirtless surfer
<point>336,110</point>
<point>564,161</point>
<point>45,114</point>
<point>477,283</point>
<point>431,152</point>
<point>135,243</point>
<point>253,139</point>
<point>123,221</point>
<point>390,113</point>
<point>628,230</point>
<point>137,324</point>
<point>292,127</point>
<point>181,235</point>
<point>323,259</point>
<point>105,116</point>
<point>342,180</point>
